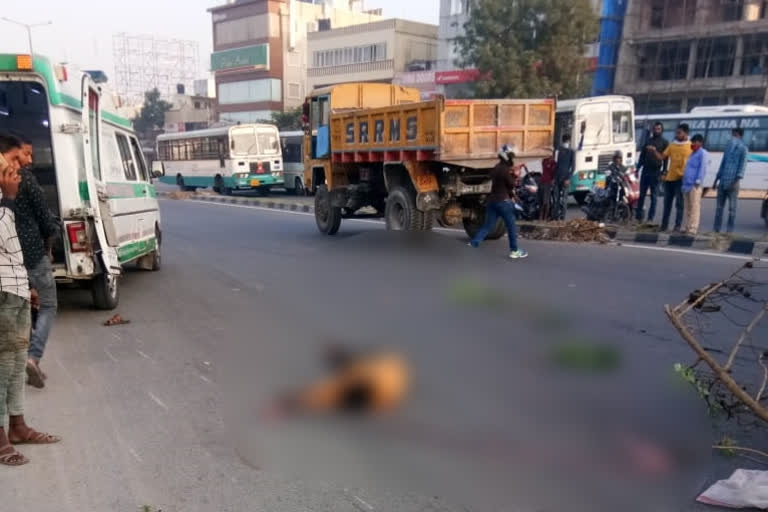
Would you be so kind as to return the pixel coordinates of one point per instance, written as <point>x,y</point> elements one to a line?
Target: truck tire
<point>400,213</point>
<point>472,226</point>
<point>430,219</point>
<point>327,217</point>
<point>105,291</point>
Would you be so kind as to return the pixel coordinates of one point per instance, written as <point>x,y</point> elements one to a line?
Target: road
<point>167,410</point>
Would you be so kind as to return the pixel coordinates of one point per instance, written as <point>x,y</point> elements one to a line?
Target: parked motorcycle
<point>764,211</point>
<point>527,206</point>
<point>615,201</point>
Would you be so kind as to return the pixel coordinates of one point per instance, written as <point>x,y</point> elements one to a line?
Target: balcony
<point>350,69</point>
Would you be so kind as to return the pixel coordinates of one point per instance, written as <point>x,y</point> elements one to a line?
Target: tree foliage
<point>152,115</point>
<point>289,120</point>
<point>528,48</point>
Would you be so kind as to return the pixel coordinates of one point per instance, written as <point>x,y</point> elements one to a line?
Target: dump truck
<point>378,150</point>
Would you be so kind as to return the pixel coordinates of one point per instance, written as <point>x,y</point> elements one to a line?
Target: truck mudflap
<point>426,201</point>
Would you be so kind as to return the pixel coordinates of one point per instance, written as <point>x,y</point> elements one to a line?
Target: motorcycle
<point>527,206</point>
<point>764,211</point>
<point>616,201</point>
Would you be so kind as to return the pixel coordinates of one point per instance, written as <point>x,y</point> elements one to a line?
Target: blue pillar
<point>611,27</point>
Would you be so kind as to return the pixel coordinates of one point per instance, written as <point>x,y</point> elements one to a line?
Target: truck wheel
<point>105,291</point>
<point>400,213</point>
<point>473,225</point>
<point>429,220</point>
<point>327,217</point>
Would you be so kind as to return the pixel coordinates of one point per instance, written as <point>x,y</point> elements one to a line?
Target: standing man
<point>693,177</point>
<point>548,166</point>
<point>566,163</point>
<point>16,301</point>
<point>501,203</point>
<point>37,230</point>
<point>652,169</point>
<point>676,155</point>
<point>728,179</point>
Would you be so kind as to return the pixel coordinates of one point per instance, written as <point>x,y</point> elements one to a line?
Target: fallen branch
<point>740,449</point>
<point>744,336</point>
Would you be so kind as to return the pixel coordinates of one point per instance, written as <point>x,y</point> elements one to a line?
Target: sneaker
<point>518,255</point>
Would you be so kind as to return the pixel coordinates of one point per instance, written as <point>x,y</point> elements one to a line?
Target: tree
<point>528,48</point>
<point>289,120</point>
<point>152,115</point>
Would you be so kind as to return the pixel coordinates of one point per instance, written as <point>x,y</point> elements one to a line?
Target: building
<point>371,52</point>
<point>189,112</point>
<point>260,52</point>
<point>678,55</point>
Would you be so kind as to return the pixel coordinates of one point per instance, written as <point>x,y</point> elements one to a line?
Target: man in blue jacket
<point>693,177</point>
<point>729,177</point>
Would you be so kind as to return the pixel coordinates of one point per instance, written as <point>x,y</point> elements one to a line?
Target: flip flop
<point>35,375</point>
<point>12,459</point>
<point>35,437</point>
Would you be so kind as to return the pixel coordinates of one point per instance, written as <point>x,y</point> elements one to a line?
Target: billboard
<point>249,57</point>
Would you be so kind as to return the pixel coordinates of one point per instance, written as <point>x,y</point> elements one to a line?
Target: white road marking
<point>205,379</point>
<point>742,257</point>
<point>145,356</point>
<point>139,341</point>
<point>109,355</point>
<point>66,372</point>
<point>448,230</point>
<point>363,502</point>
<point>116,336</point>
<point>157,400</point>
<point>135,455</point>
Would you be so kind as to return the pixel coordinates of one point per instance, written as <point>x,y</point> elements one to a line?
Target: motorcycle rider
<point>501,202</point>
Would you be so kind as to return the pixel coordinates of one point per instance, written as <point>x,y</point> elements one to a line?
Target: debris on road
<point>116,320</point>
<point>576,230</point>
<point>179,195</point>
<point>744,489</point>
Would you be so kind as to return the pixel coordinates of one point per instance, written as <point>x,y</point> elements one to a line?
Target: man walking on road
<point>676,154</point>
<point>501,203</point>
<point>37,229</point>
<point>695,172</point>
<point>16,302</point>
<point>566,163</point>
<point>652,169</point>
<point>548,166</point>
<point>728,179</point>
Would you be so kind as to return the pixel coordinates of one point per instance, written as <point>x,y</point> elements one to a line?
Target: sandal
<point>13,458</point>
<point>35,437</point>
<point>116,320</point>
<point>35,375</point>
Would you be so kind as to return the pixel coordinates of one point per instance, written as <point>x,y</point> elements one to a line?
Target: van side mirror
<point>157,169</point>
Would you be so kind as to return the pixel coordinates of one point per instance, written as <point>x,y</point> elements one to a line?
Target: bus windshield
<point>597,124</point>
<point>268,142</point>
<point>623,125</point>
<point>244,142</point>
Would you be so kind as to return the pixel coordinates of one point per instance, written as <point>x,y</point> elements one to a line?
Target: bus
<point>292,144</point>
<point>230,158</point>
<point>599,127</point>
<point>715,124</point>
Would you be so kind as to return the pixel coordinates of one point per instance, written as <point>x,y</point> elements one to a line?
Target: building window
<point>245,29</point>
<point>664,61</point>
<point>294,59</point>
<point>459,7</point>
<point>294,90</point>
<point>731,10</point>
<point>665,14</point>
<point>755,55</point>
<point>197,105</point>
<point>253,116</point>
<point>715,57</point>
<point>351,55</point>
<point>250,91</point>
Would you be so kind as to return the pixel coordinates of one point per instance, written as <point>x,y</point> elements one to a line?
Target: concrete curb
<point>272,204</point>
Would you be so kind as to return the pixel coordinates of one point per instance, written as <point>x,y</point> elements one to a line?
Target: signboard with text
<point>458,76</point>
<point>250,57</point>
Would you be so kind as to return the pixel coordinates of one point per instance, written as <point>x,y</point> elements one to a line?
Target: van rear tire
<point>105,291</point>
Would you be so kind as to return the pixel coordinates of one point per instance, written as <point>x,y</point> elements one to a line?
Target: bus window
<point>756,140</point>
<point>268,142</point>
<point>598,128</point>
<point>292,150</point>
<point>244,141</point>
<point>717,140</point>
<point>622,123</point>
<point>563,125</point>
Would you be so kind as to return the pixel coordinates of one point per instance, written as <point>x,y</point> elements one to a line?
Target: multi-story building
<point>260,52</point>
<point>679,55</point>
<point>371,52</point>
<point>189,112</point>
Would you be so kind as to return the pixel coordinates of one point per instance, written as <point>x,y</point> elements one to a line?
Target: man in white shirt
<point>16,302</point>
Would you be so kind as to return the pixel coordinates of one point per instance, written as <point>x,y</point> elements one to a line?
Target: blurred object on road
<point>744,489</point>
<point>116,320</point>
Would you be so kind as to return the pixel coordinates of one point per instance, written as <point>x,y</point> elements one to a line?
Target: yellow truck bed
<point>461,132</point>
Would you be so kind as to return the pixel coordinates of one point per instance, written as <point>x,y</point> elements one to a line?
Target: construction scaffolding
<point>679,55</point>
<point>145,62</point>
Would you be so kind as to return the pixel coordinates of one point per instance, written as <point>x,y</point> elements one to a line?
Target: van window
<point>137,157</point>
<point>125,155</point>
<point>292,153</point>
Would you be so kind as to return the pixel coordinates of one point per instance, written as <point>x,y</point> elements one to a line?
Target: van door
<point>92,151</point>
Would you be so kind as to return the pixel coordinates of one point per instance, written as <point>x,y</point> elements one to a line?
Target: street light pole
<point>29,27</point>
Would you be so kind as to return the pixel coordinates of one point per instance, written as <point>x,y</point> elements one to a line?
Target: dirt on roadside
<point>576,230</point>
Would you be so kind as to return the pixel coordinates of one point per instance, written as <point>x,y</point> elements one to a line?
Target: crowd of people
<point>27,293</point>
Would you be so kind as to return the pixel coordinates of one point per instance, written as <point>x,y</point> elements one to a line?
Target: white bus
<point>292,144</point>
<point>90,165</point>
<point>715,124</point>
<point>239,157</point>
<point>598,126</point>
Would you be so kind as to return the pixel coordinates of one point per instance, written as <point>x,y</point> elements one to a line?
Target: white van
<point>293,161</point>
<point>91,166</point>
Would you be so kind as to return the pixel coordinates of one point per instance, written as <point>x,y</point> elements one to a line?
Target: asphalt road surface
<point>167,411</point>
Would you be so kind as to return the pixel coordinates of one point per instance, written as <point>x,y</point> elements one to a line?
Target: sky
<point>86,39</point>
